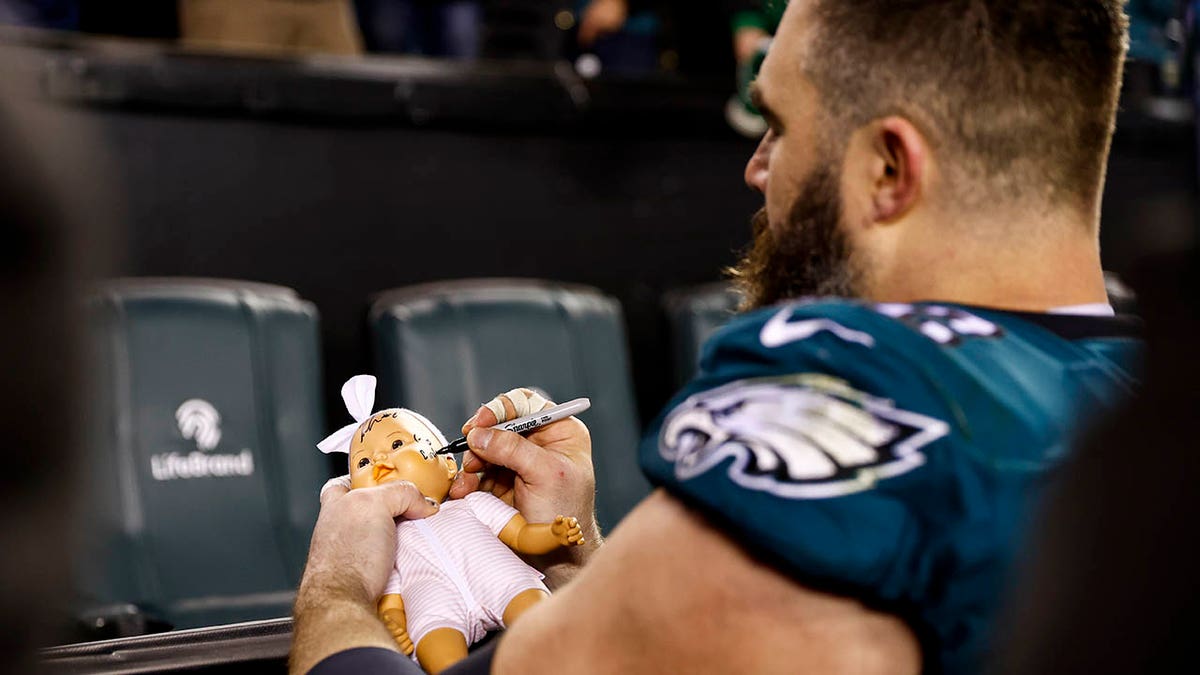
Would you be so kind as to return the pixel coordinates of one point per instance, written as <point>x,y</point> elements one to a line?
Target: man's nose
<point>757,168</point>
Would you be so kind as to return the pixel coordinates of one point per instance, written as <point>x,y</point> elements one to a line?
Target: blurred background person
<point>273,26</point>
<point>439,28</point>
<point>623,34</point>
<point>754,23</point>
<point>52,14</point>
<point>1156,35</point>
<point>601,18</point>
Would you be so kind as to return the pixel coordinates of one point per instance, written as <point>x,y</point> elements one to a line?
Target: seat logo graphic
<point>199,421</point>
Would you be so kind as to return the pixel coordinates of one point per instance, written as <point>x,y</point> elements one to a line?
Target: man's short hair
<point>1018,97</point>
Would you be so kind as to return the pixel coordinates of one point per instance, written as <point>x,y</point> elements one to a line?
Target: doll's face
<point>385,449</point>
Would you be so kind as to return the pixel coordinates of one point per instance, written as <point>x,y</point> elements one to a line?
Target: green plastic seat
<point>444,348</point>
<point>202,475</point>
<point>695,314</point>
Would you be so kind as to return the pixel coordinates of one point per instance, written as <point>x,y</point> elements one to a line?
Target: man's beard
<point>809,255</point>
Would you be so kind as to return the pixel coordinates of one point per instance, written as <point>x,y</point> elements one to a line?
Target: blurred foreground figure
<point>1112,585</point>
<point>41,377</point>
<point>271,26</point>
<point>846,483</point>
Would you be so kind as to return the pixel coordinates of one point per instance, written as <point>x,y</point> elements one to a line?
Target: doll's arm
<point>391,610</point>
<point>539,538</point>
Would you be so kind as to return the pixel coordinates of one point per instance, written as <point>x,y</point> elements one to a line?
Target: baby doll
<point>455,577</point>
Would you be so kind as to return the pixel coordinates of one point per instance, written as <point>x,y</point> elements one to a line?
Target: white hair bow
<point>359,395</point>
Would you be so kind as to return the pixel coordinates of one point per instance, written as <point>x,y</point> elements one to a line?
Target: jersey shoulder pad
<point>801,335</point>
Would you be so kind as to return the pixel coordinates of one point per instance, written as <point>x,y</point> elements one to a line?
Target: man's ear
<point>899,168</point>
<point>451,465</point>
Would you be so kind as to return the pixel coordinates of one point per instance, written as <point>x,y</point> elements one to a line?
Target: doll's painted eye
<point>397,444</point>
<point>363,462</point>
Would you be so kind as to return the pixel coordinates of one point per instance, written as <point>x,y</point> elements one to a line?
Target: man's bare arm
<point>668,593</point>
<point>328,623</point>
<point>352,553</point>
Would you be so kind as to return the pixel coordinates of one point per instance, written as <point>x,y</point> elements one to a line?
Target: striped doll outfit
<point>453,571</point>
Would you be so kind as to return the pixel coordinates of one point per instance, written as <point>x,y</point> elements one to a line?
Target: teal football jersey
<point>891,452</point>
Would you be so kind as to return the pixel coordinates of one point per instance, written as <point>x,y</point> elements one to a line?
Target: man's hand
<point>352,554</point>
<point>353,545</point>
<point>547,474</point>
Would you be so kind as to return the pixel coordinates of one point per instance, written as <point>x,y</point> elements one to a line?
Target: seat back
<point>695,314</point>
<point>444,348</point>
<point>203,475</point>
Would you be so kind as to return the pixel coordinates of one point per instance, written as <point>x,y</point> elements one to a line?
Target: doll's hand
<point>567,531</point>
<point>397,625</point>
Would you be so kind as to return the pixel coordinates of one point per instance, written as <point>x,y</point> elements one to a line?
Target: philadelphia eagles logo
<point>802,437</point>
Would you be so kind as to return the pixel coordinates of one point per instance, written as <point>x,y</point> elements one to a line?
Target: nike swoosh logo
<point>779,331</point>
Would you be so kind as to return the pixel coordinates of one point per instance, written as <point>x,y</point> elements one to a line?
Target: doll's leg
<point>440,649</point>
<point>518,605</point>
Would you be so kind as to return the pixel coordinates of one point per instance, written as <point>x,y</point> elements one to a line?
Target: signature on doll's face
<point>389,448</point>
<point>378,457</point>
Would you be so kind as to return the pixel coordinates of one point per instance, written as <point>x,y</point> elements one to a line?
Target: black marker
<point>529,422</point>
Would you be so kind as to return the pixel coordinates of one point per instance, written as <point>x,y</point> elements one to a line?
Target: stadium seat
<point>1120,295</point>
<point>695,314</point>
<point>444,348</point>
<point>202,474</point>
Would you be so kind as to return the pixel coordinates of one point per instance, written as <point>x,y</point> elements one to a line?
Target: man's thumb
<point>404,500</point>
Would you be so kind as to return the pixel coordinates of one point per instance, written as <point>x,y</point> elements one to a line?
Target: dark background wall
<point>341,213</point>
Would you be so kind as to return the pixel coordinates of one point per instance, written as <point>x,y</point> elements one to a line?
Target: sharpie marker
<point>529,422</point>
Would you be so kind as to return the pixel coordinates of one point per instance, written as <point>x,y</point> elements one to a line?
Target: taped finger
<point>517,403</point>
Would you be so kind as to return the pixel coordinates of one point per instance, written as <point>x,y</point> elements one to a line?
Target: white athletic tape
<point>537,403</point>
<point>523,404</point>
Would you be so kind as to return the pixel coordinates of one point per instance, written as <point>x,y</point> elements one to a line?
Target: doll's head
<point>389,445</point>
<point>399,445</point>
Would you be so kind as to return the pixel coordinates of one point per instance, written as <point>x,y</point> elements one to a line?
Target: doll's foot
<point>567,531</point>
<point>396,624</point>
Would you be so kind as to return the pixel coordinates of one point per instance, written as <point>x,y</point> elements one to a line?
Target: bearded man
<point>845,485</point>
